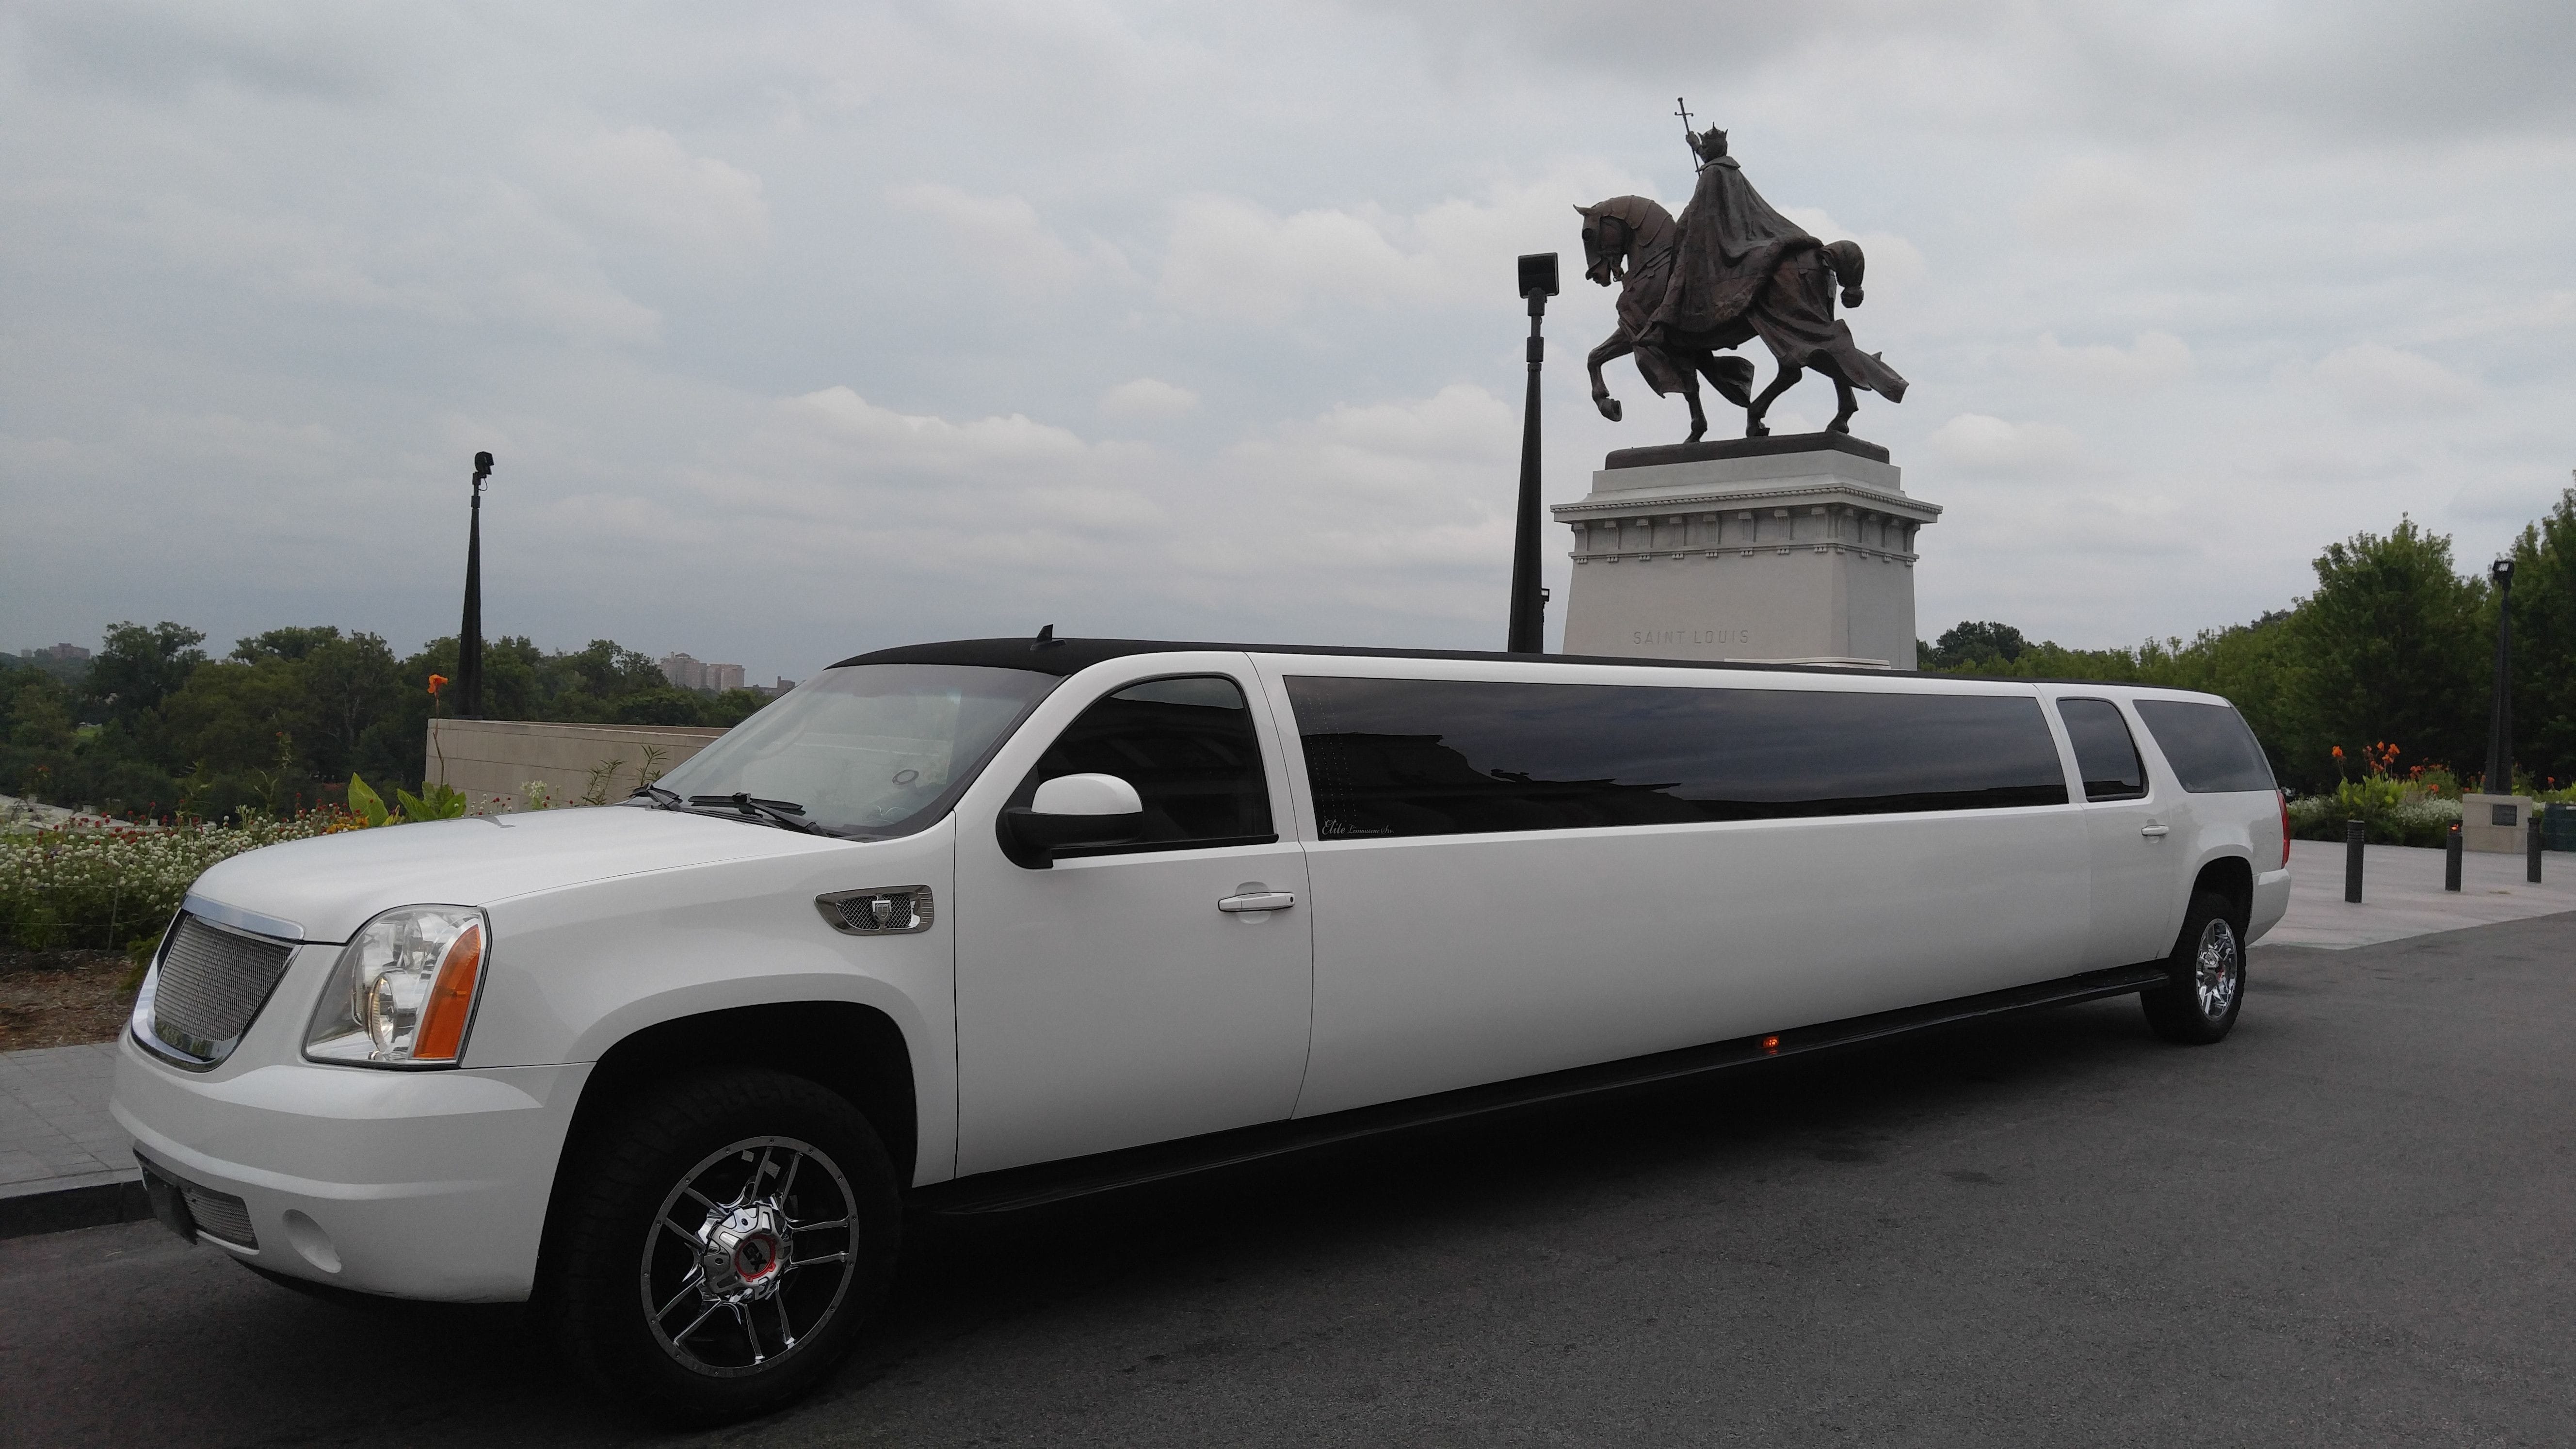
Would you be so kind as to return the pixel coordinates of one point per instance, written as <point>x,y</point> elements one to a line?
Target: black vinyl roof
<point>1062,657</point>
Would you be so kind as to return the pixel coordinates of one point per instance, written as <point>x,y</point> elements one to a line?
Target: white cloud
<point>679,268</point>
<point>924,441</point>
<point>2370,377</point>
<point>2155,359</point>
<point>492,254</point>
<point>1234,260</point>
<point>2550,311</point>
<point>640,181</point>
<point>1386,510</point>
<point>1147,399</point>
<point>1990,444</point>
<point>1002,239</point>
<point>2101,204</point>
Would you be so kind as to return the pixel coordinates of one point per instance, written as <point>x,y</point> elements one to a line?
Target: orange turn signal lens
<point>1770,1043</point>
<point>451,1000</point>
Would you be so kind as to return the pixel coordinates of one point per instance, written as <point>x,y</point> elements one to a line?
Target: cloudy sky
<point>800,329</point>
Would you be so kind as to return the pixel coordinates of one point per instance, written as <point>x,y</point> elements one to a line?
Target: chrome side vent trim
<point>884,911</point>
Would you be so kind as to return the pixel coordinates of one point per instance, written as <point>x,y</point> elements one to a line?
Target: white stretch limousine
<point>983,924</point>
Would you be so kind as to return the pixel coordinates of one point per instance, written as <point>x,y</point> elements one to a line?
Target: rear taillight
<point>2284,797</point>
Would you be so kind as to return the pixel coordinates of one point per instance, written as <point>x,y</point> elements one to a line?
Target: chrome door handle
<point>2154,832</point>
<point>1257,901</point>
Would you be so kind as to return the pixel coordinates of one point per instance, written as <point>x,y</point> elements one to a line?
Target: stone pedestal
<point>1780,550</point>
<point>2498,823</point>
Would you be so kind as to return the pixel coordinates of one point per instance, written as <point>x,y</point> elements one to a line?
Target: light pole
<point>2500,717</point>
<point>1528,633</point>
<point>469,637</point>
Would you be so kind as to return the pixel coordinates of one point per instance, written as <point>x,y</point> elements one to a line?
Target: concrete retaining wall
<point>493,761</point>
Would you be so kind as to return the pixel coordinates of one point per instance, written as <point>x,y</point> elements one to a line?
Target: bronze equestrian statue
<point>1730,270</point>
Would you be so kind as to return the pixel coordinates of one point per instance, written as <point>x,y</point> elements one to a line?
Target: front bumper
<point>427,1184</point>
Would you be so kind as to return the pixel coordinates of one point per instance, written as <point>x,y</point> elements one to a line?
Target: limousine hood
<point>325,888</point>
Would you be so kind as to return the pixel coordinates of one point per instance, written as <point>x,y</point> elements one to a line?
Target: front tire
<point>719,1243</point>
<point>2208,965</point>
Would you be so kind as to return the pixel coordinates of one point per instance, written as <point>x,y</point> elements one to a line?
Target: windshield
<point>871,750</point>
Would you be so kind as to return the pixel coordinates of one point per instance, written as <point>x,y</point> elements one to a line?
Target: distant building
<point>65,652</point>
<point>783,685</point>
<point>684,672</point>
<point>687,673</point>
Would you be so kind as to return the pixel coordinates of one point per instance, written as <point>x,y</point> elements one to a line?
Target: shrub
<point>2387,814</point>
<point>103,888</point>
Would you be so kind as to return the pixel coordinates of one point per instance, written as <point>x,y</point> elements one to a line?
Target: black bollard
<point>2451,859</point>
<point>2532,869</point>
<point>2352,833</point>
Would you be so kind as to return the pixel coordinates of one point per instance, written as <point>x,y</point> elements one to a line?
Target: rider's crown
<point>1708,145</point>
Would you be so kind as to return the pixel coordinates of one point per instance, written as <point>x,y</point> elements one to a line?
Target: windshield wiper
<point>777,812</point>
<point>662,799</point>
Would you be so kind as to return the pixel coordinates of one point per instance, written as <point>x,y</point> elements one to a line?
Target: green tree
<point>666,705</point>
<point>293,642</point>
<point>2544,644</point>
<point>2388,650</point>
<point>36,734</point>
<point>137,668</point>
<point>1977,642</point>
<point>347,683</point>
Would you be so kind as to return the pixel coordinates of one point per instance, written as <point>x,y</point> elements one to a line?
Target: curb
<point>88,1205</point>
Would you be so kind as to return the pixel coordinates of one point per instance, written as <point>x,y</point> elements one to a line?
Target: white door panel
<point>1109,1002</point>
<point>1444,962</point>
<point>2133,843</point>
<point>1113,1000</point>
<point>2132,881</point>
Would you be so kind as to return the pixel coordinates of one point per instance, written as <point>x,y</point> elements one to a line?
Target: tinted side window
<point>2104,754</point>
<point>2209,746</point>
<point>1438,757</point>
<point>1188,747</point>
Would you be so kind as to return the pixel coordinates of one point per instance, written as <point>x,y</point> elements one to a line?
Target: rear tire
<point>2208,965</point>
<point>717,1245</point>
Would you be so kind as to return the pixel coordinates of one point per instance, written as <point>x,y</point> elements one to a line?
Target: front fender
<point>573,971</point>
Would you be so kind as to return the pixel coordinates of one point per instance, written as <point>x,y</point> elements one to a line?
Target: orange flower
<point>437,680</point>
<point>2338,750</point>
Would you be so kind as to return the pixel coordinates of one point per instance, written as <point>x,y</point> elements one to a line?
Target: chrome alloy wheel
<point>2217,969</point>
<point>749,1255</point>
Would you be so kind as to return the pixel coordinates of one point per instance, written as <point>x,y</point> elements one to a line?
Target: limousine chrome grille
<point>884,911</point>
<point>211,986</point>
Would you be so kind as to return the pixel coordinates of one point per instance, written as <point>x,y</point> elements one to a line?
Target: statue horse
<point>1631,241</point>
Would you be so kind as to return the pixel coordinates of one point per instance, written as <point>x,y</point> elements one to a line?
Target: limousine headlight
<point>403,991</point>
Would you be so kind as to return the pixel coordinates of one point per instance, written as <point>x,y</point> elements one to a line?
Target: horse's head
<point>1606,240</point>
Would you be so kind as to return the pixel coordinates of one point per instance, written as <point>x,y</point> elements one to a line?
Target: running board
<point>1015,1188</point>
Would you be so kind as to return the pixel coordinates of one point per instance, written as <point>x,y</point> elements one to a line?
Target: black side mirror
<point>1068,813</point>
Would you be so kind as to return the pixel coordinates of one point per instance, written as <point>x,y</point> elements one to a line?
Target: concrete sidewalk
<point>64,1164</point>
<point>2402,895</point>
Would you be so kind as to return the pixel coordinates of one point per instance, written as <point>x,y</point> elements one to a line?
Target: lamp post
<point>2500,717</point>
<point>1528,633</point>
<point>469,637</point>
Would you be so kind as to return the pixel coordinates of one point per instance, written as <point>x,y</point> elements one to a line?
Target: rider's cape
<point>1744,268</point>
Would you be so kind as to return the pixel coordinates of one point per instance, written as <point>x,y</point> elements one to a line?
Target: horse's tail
<point>1848,264</point>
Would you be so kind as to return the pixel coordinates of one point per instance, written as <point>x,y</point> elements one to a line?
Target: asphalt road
<point>2349,1224</point>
